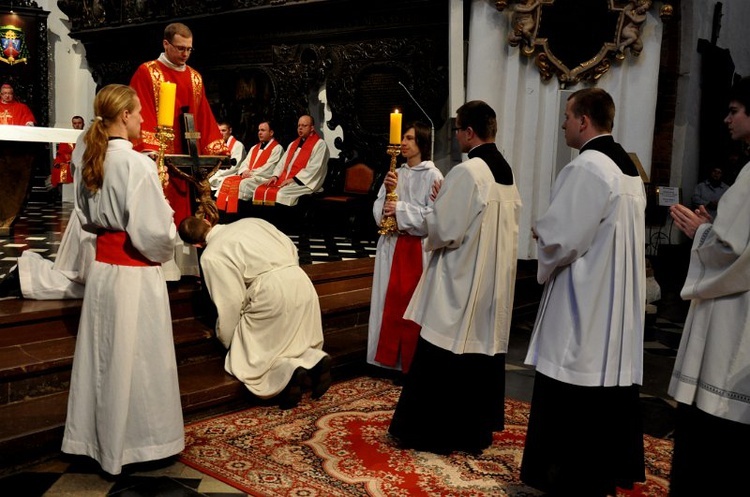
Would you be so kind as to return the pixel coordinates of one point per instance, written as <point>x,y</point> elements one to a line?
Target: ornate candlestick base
<point>165,135</point>
<point>388,225</point>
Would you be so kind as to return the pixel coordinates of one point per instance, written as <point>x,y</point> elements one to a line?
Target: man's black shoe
<point>320,375</point>
<point>10,286</point>
<point>292,393</point>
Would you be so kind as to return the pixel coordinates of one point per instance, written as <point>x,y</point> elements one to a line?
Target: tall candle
<point>395,138</point>
<point>165,115</point>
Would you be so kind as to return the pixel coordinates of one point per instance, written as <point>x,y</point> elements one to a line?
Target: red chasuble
<point>190,94</point>
<point>16,113</point>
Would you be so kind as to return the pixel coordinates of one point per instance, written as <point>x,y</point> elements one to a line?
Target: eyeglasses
<point>188,50</point>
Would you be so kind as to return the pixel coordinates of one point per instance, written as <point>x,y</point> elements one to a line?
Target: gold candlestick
<point>165,135</point>
<point>388,225</point>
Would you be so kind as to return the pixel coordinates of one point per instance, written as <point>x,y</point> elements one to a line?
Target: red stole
<point>264,155</point>
<point>228,195</point>
<point>397,333</point>
<point>266,194</point>
<point>227,198</point>
<point>230,143</point>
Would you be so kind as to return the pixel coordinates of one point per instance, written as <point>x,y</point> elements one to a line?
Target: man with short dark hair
<point>453,395</point>
<point>708,192</point>
<point>587,342</point>
<point>236,151</point>
<point>268,310</point>
<point>257,168</point>
<point>61,172</point>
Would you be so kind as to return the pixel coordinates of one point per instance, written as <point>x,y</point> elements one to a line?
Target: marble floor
<point>40,229</point>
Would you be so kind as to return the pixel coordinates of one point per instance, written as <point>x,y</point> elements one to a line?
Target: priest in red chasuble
<point>13,112</point>
<point>172,66</point>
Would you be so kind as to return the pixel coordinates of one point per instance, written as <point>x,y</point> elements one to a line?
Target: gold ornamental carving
<point>578,39</point>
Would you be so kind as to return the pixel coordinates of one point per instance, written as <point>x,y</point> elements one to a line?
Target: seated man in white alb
<point>268,310</point>
<point>301,170</point>
<point>255,169</point>
<point>236,152</point>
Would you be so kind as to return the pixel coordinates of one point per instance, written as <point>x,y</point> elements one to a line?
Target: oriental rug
<point>339,446</point>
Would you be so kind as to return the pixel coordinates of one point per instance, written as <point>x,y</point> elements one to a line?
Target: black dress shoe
<point>10,286</point>
<point>292,393</point>
<point>320,376</point>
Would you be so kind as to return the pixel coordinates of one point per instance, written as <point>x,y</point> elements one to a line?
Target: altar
<point>20,148</point>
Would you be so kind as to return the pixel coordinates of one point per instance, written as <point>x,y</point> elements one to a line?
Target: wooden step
<point>37,342</point>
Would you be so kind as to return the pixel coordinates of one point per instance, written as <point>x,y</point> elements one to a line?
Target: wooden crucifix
<point>197,170</point>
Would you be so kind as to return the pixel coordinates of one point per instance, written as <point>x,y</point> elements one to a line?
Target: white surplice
<point>589,329</point>
<point>712,367</point>
<point>124,404</point>
<point>237,152</point>
<point>311,176</point>
<point>268,310</point>
<point>261,172</point>
<point>464,299</point>
<point>413,189</point>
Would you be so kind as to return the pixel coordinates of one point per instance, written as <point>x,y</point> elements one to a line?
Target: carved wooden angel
<point>630,34</point>
<point>524,22</point>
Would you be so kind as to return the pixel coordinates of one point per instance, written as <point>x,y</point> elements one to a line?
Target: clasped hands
<point>688,220</point>
<point>272,181</point>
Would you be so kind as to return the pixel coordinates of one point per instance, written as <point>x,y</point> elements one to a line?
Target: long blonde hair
<point>109,103</point>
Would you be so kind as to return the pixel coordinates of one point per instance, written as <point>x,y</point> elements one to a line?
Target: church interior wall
<point>73,79</point>
<point>71,82</point>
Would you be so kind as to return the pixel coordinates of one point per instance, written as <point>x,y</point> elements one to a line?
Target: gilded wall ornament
<point>577,39</point>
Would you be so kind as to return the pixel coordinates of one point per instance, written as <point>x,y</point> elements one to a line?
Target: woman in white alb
<point>124,404</point>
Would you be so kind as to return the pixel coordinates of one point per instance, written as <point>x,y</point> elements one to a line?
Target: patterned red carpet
<point>339,446</point>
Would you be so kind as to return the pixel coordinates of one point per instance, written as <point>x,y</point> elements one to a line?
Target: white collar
<point>164,60</point>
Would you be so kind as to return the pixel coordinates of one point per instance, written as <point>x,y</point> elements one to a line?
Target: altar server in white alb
<point>453,395</point>
<point>400,257</point>
<point>268,310</point>
<point>236,153</point>
<point>711,378</point>
<point>124,404</point>
<point>585,433</point>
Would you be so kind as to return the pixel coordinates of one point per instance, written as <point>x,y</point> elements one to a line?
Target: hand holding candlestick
<point>388,225</point>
